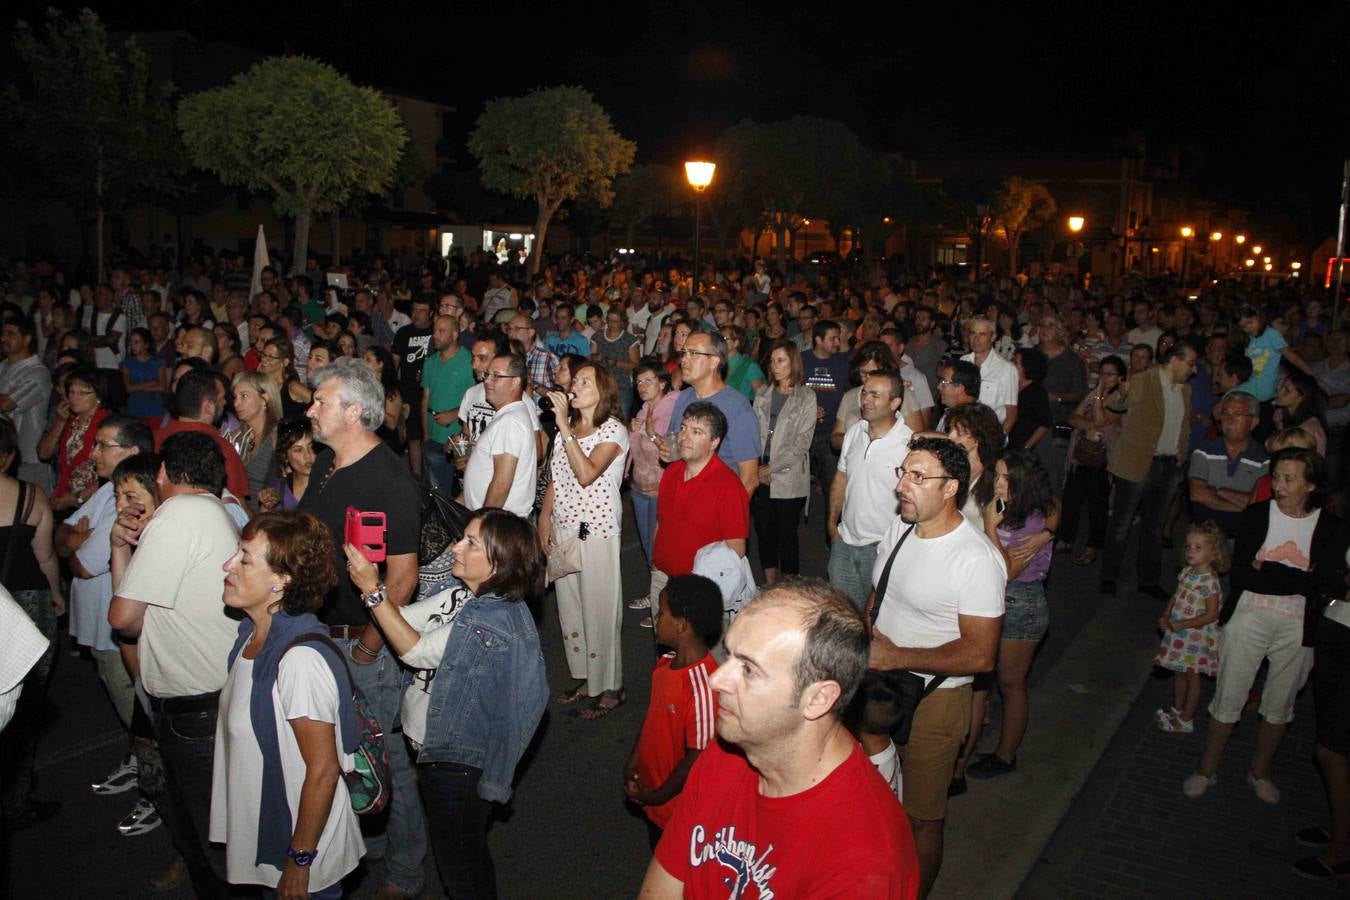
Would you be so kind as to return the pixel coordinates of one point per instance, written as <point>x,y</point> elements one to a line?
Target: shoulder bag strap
<point>884,581</point>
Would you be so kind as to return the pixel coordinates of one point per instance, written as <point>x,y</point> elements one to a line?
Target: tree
<point>551,145</point>
<point>645,192</point>
<point>792,170</point>
<point>299,129</point>
<point>89,124</point>
<point>1020,206</point>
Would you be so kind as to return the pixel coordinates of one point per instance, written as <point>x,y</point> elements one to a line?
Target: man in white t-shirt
<point>998,377</point>
<point>475,412</point>
<point>947,611</point>
<point>862,494</point>
<point>169,594</point>
<point>501,470</point>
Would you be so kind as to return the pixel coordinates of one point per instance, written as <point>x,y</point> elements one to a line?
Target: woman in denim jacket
<point>484,685</point>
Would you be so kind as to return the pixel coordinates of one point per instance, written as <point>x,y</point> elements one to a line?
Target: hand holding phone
<point>365,531</point>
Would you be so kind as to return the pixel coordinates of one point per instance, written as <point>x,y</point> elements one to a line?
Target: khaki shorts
<point>929,759</point>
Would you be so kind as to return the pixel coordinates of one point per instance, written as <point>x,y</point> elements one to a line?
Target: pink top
<point>644,458</point>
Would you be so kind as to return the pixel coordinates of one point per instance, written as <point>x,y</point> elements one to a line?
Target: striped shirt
<point>681,715</point>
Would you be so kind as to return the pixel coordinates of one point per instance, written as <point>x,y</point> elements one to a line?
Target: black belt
<point>347,632</point>
<point>1170,457</point>
<point>174,706</point>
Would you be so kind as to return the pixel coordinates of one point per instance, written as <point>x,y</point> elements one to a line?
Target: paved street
<point>567,833</point>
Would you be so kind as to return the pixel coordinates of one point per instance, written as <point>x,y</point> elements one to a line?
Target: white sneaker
<point>643,602</point>
<point>143,818</point>
<point>1266,791</point>
<point>123,778</point>
<point>1196,785</point>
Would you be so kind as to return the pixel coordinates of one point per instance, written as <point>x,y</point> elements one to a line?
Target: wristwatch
<point>375,597</point>
<point>301,858</point>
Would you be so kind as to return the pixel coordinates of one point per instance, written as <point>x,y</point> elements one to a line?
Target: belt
<point>347,632</point>
<point>1170,457</point>
<point>173,706</point>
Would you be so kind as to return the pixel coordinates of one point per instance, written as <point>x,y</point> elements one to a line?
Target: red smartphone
<point>365,531</point>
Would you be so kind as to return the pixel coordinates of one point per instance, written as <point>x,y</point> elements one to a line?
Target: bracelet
<point>366,650</point>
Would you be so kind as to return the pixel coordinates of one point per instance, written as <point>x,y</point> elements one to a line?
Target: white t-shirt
<point>998,383</point>
<point>869,495</point>
<point>305,688</point>
<point>431,617</point>
<point>1147,335</point>
<point>917,382</point>
<point>1288,541</point>
<point>933,581</point>
<point>90,597</point>
<point>511,432</point>
<point>475,412</point>
<point>178,571</point>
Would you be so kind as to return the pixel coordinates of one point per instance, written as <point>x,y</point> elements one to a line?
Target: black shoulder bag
<point>887,698</point>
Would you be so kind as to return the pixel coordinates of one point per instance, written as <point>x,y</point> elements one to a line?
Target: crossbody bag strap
<point>885,578</point>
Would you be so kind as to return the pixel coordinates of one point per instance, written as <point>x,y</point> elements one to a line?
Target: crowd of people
<point>201,478</point>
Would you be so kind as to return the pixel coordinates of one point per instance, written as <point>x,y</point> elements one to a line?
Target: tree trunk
<point>781,234</point>
<point>336,237</point>
<point>541,221</point>
<point>300,250</point>
<point>1014,238</point>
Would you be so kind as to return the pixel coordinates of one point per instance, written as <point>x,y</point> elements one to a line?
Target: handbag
<point>1088,453</point>
<point>371,780</point>
<point>565,557</point>
<point>443,522</point>
<point>887,699</point>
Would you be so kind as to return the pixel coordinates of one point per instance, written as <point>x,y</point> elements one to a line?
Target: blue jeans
<point>332,892</point>
<point>438,468</point>
<point>405,838</point>
<point>1149,498</point>
<point>459,819</point>
<point>187,739</point>
<point>644,511</point>
<point>850,569</point>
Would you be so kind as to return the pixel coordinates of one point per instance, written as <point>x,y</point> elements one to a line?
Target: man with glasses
<point>501,468</point>
<point>540,363</point>
<point>450,305</point>
<point>998,377</point>
<point>942,619</point>
<point>1224,469</point>
<point>703,364</point>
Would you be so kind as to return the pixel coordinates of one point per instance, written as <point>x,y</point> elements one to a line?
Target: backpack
<point>370,781</point>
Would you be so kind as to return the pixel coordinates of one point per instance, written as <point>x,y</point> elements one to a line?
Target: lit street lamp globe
<point>700,174</point>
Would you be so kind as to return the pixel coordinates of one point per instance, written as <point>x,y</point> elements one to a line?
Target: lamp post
<point>1187,232</point>
<point>700,175</point>
<point>1075,248</point>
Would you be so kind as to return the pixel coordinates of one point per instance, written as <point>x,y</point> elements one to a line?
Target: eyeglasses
<point>695,353</point>
<point>272,356</point>
<point>109,445</point>
<point>498,375</point>
<point>643,382</point>
<point>80,392</point>
<point>918,477</point>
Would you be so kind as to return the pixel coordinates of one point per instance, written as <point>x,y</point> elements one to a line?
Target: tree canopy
<point>299,129</point>
<point>550,145</point>
<point>1021,206</point>
<point>88,122</point>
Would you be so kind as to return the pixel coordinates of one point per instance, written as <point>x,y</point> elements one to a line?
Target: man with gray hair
<point>359,470</point>
<point>1224,470</point>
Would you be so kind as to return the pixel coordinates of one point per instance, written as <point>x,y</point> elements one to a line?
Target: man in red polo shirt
<point>700,500</point>
<point>199,403</point>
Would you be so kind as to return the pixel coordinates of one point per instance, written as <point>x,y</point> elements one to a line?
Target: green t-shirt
<point>741,371</point>
<point>445,382</point>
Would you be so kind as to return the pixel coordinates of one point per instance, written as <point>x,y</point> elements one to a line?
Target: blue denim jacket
<point>489,693</point>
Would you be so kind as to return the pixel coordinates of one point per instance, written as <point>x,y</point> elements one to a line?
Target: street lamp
<point>1075,224</point>
<point>1216,235</point>
<point>1187,232</point>
<point>1296,265</point>
<point>700,175</point>
<point>1249,262</point>
<point>1239,239</point>
<point>1256,248</point>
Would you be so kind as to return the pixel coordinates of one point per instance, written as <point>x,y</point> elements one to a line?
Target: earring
<point>276,589</point>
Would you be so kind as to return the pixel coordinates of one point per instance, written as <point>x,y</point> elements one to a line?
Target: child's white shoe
<point>1196,785</point>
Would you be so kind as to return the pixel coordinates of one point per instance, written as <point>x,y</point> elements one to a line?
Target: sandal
<point>599,709</point>
<point>1313,837</point>
<point>574,694</point>
<point>1313,867</point>
<point>1086,558</point>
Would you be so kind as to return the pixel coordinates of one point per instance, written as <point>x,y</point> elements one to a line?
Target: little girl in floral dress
<point>1190,644</point>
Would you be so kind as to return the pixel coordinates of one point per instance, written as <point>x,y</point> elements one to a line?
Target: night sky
<point>1252,104</point>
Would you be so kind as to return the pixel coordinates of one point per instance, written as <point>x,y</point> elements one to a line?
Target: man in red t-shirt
<point>200,401</point>
<point>787,804</point>
<point>695,504</point>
